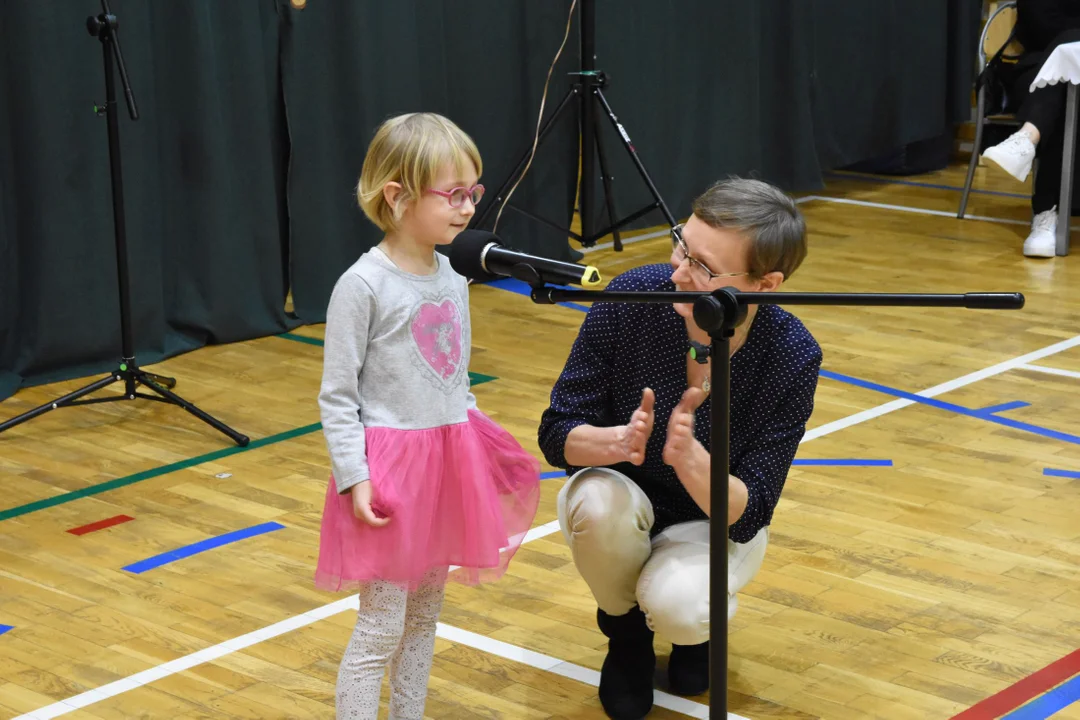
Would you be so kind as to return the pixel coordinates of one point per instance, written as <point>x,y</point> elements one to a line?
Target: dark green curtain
<point>350,65</point>
<point>203,172</point>
<point>240,173</point>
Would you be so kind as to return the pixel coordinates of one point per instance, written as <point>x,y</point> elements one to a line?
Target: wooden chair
<point>996,32</point>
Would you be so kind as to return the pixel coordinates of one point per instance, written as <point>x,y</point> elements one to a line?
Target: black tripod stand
<point>719,313</point>
<point>589,93</point>
<point>104,28</point>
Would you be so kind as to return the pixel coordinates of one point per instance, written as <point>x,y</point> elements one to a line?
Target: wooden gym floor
<point>931,563</point>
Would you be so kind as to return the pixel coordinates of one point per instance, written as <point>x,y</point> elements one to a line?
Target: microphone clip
<point>528,275</point>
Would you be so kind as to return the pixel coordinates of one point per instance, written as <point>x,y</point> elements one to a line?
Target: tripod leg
<point>544,130</point>
<point>144,378</point>
<point>162,380</point>
<point>609,196</point>
<point>65,400</point>
<point>634,157</point>
<point>588,169</point>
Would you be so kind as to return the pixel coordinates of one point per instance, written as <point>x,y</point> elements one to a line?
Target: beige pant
<point>606,520</point>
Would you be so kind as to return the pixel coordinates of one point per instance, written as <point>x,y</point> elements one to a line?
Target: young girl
<point>425,487</point>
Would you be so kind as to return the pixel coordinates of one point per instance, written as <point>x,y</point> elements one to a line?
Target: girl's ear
<point>392,193</point>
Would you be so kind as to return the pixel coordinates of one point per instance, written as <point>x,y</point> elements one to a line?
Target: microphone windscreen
<point>465,252</point>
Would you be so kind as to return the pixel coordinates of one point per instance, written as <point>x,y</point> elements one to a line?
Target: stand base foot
<point>132,376</point>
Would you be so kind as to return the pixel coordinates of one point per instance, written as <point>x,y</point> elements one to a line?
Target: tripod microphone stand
<point>588,91</point>
<point>719,313</point>
<point>104,27</point>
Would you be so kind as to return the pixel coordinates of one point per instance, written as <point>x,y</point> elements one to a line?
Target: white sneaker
<point>1014,155</point>
<point>1042,242</point>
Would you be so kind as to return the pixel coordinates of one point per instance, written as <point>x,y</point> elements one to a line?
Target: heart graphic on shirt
<point>437,332</point>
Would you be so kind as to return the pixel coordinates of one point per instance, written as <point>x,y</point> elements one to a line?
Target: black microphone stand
<point>104,27</point>
<point>586,95</point>
<point>719,313</point>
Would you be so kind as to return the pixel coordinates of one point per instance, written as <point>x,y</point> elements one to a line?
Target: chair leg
<point>979,121</point>
<point>1065,202</point>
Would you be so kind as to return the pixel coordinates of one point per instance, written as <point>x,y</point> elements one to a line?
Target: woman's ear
<point>771,282</point>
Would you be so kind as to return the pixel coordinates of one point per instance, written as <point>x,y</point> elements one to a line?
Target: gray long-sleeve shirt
<point>396,356</point>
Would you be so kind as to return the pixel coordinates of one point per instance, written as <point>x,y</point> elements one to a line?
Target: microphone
<point>480,255</point>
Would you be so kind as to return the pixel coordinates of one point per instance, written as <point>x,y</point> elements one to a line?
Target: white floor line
<point>321,613</point>
<point>843,201</point>
<point>566,669</point>
<point>448,632</point>
<point>214,652</point>
<point>294,623</point>
<point>1015,363</point>
<point>918,210</point>
<point>1052,371</point>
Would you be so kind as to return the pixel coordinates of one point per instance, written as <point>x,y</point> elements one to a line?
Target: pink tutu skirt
<point>461,495</point>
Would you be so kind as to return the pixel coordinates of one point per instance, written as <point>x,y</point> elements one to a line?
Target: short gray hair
<point>766,214</point>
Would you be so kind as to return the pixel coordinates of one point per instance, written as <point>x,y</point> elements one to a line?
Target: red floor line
<point>1019,693</point>
<point>100,525</point>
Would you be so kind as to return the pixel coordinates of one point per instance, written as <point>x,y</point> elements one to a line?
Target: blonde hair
<point>410,149</point>
<point>768,216</point>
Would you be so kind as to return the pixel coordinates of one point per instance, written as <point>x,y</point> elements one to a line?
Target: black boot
<point>688,669</point>
<point>626,678</point>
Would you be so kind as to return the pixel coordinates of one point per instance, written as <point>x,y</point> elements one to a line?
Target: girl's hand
<point>361,503</point>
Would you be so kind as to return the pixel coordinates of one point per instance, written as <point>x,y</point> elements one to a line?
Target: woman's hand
<point>692,462</point>
<point>361,502</point>
<point>633,436</point>
<point>682,451</point>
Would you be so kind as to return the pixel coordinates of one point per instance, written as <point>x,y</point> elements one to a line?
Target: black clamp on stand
<point>104,27</point>
<point>588,91</point>
<point>719,313</point>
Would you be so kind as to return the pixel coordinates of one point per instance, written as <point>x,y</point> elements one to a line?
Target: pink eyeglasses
<point>457,196</point>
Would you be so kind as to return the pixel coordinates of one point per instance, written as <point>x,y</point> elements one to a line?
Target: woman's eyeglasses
<point>457,196</point>
<point>678,246</point>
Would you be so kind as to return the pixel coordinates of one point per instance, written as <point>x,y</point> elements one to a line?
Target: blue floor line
<point>918,183</point>
<point>201,546</point>
<point>952,407</point>
<point>521,288</point>
<point>5,628</point>
<point>1003,407</point>
<point>1049,703</point>
<point>552,474</point>
<point>1072,474</point>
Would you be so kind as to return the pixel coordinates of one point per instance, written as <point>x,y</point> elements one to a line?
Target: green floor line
<point>302,338</point>
<point>154,472</point>
<point>474,378</point>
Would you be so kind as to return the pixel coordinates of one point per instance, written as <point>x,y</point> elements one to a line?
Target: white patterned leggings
<point>393,627</point>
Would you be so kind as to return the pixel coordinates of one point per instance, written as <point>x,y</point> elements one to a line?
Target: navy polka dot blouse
<point>623,348</point>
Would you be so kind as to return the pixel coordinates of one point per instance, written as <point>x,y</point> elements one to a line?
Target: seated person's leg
<point>606,519</point>
<point>674,594</point>
<point>1042,113</point>
<point>1042,240</point>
